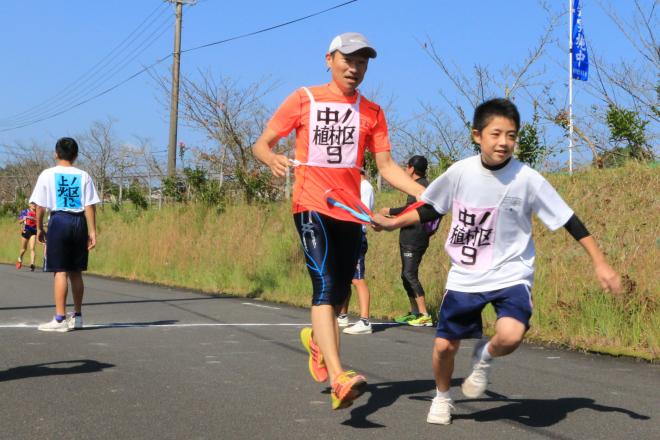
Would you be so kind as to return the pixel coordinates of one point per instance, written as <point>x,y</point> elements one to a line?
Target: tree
<point>98,147</point>
<point>232,117</point>
<point>628,132</point>
<point>530,148</point>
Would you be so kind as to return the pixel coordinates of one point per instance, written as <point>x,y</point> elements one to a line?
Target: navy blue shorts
<point>331,250</point>
<point>66,242</point>
<point>459,316</point>
<point>359,267</point>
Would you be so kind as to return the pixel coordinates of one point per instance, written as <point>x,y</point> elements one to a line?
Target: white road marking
<point>183,325</point>
<point>262,306</point>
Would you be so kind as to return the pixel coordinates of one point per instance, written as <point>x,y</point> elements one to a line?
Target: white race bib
<point>334,133</point>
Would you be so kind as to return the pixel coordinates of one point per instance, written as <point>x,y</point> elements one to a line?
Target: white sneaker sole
<point>58,330</point>
<point>438,420</point>
<point>357,332</point>
<point>472,390</point>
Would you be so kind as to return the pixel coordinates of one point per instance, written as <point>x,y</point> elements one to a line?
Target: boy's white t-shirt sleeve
<point>439,193</point>
<point>91,196</point>
<point>40,193</point>
<point>550,208</point>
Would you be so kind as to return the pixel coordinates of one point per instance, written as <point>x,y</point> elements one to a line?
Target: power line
<point>90,73</point>
<point>141,71</point>
<point>238,37</point>
<point>91,84</point>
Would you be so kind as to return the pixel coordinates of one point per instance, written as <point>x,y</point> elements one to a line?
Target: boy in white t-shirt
<point>491,197</point>
<point>69,194</point>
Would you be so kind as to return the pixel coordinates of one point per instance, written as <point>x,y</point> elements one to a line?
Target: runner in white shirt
<point>363,326</point>
<point>491,198</point>
<point>69,194</point>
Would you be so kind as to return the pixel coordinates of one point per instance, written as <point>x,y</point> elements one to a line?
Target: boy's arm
<point>381,222</point>
<point>40,224</point>
<point>395,176</point>
<point>608,278</point>
<point>90,217</point>
<point>262,150</point>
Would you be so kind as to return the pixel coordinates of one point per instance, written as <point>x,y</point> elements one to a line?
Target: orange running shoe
<point>347,387</point>
<point>317,367</point>
<point>19,265</point>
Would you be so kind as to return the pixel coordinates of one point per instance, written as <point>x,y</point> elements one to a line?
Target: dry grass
<point>255,252</point>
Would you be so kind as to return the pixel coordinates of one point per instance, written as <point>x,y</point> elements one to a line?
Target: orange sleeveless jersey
<point>312,182</point>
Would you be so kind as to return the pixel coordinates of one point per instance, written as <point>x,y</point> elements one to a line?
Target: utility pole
<point>174,101</point>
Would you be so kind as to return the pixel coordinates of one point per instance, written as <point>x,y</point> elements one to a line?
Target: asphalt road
<point>160,363</point>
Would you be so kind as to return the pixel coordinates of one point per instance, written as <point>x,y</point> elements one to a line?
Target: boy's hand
<point>91,240</point>
<point>608,278</point>
<point>380,222</point>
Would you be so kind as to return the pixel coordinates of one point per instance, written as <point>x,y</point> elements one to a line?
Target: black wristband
<point>576,228</point>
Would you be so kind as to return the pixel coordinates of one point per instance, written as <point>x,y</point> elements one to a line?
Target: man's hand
<point>278,163</point>
<point>41,236</point>
<point>385,212</point>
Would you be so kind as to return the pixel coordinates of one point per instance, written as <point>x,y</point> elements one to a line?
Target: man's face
<point>347,70</point>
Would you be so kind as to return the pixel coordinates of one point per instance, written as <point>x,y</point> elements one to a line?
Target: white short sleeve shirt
<point>64,189</point>
<point>490,238</point>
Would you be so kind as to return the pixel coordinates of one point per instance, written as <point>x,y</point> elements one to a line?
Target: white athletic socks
<point>485,355</point>
<point>442,394</point>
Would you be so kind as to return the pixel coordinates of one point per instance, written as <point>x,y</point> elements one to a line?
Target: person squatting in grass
<point>334,125</point>
<point>70,196</point>
<point>28,221</point>
<point>491,197</point>
<point>363,326</point>
<point>413,242</point>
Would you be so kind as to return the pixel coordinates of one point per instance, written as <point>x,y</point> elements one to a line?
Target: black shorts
<point>66,242</point>
<point>331,250</point>
<point>28,233</point>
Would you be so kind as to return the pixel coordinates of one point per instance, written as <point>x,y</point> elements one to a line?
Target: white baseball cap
<point>350,42</point>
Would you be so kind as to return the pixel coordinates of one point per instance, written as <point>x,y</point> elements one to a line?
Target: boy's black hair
<point>420,164</point>
<point>495,107</point>
<point>66,148</point>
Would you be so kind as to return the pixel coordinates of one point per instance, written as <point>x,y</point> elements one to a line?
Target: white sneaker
<point>342,320</point>
<point>475,384</point>
<point>54,326</point>
<point>359,328</point>
<point>440,412</point>
<point>74,322</point>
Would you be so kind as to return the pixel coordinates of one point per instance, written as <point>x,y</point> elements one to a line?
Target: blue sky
<point>48,45</point>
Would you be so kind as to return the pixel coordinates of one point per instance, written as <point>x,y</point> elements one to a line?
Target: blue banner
<point>579,57</point>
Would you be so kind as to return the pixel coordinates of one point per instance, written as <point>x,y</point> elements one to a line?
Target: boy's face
<point>497,140</point>
<point>347,70</point>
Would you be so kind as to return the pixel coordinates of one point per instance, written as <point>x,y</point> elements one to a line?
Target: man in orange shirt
<point>334,125</point>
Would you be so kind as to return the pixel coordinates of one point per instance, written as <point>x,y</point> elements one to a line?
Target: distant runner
<point>28,221</point>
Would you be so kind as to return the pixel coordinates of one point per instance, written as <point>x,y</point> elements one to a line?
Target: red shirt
<point>311,182</point>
